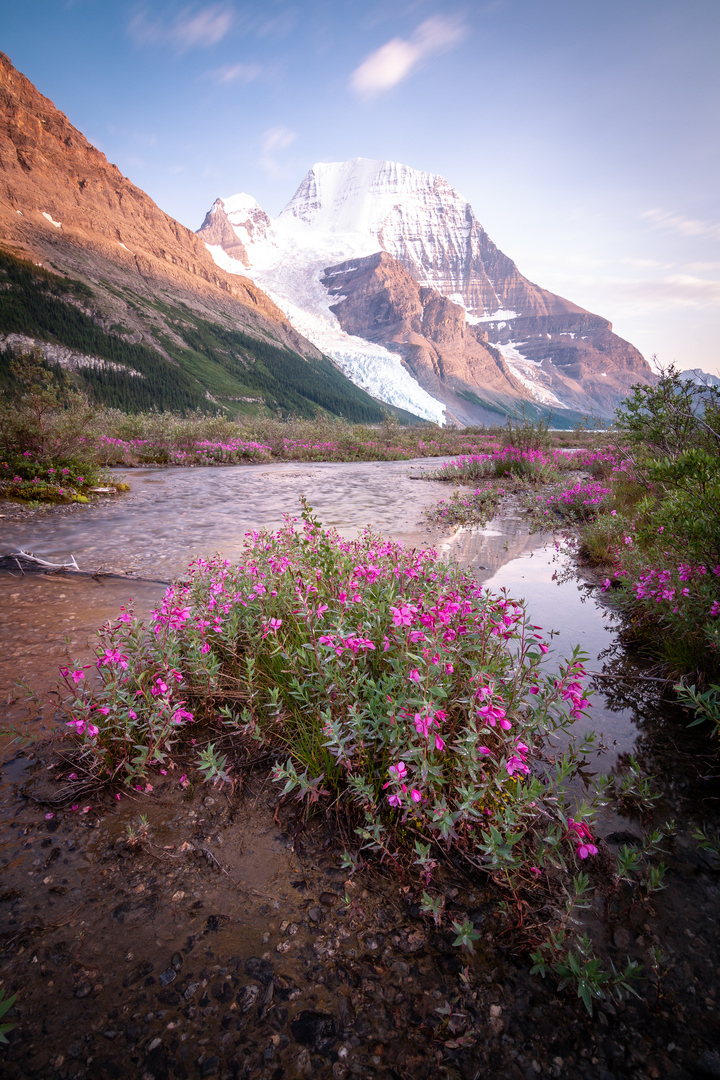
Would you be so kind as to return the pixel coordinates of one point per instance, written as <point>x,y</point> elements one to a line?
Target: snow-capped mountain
<point>697,375</point>
<point>513,339</point>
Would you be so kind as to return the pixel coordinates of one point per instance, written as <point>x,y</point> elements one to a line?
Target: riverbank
<point>388,963</point>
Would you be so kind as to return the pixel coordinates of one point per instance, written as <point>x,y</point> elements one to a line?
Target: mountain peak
<point>319,260</point>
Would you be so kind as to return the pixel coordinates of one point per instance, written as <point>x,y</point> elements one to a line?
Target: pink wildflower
<point>516,764</point>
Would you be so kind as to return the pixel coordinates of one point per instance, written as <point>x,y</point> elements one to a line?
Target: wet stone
<point>167,976</point>
<point>133,1032</point>
<point>262,970</point>
<point>315,1029</point>
<point>138,972</point>
<point>222,992</point>
<point>247,997</point>
<point>177,961</point>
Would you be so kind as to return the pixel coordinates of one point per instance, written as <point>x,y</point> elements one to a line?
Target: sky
<point>584,133</point>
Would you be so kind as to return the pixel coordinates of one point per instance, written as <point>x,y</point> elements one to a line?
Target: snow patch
<point>501,313</point>
<point>57,224</point>
<point>528,372</point>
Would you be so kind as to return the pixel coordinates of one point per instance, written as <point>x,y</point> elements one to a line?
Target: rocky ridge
<point>378,299</point>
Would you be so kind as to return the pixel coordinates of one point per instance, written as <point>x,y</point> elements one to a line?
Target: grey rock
<point>211,1067</point>
<point>708,1064</point>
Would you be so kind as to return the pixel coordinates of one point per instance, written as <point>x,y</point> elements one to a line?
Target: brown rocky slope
<point>64,205</point>
<point>379,300</point>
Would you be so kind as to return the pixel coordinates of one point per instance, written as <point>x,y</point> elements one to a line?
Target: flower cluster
<point>32,478</point>
<point>389,680</point>
<point>580,833</point>
<point>581,502</point>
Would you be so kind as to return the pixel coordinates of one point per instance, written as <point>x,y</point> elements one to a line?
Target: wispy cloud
<point>234,73</point>
<point>398,58</point>
<point>677,223</point>
<point>673,291</point>
<point>702,267</point>
<point>274,141</point>
<point>192,27</point>
<point>683,290</point>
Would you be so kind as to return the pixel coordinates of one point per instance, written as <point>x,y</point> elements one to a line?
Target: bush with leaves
<point>47,436</point>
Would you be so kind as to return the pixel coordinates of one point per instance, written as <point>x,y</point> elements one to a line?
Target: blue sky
<point>583,132</point>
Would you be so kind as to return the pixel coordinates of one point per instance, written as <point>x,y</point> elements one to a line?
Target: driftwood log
<point>25,562</point>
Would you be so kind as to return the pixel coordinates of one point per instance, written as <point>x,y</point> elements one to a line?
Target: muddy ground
<point>224,939</point>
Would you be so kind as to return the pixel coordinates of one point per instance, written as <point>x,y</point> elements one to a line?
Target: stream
<point>228,947</point>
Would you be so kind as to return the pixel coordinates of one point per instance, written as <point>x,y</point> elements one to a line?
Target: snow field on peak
<point>240,204</point>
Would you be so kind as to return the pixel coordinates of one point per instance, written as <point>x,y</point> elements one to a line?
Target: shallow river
<point>171,515</point>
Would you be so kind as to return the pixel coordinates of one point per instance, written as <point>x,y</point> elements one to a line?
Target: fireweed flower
<point>423,724</point>
<point>402,616</point>
<point>516,764</point>
<point>113,656</point>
